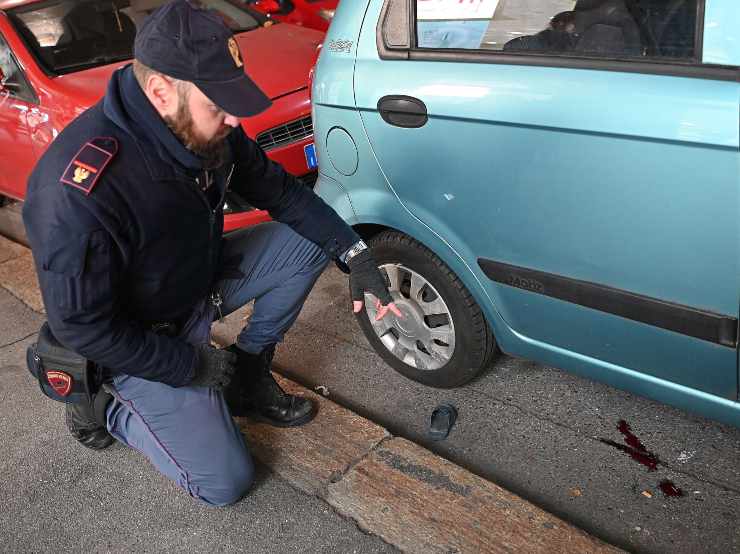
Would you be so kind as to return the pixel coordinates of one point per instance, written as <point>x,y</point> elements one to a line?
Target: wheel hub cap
<point>424,337</point>
<point>412,323</point>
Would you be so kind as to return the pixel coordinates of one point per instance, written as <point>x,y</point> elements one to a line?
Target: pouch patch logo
<point>86,167</point>
<point>234,51</point>
<point>61,382</point>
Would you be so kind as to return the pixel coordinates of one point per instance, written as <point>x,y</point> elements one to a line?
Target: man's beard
<point>213,151</point>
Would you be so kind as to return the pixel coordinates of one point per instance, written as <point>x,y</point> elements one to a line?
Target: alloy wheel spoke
<point>442,352</point>
<point>394,277</point>
<point>436,306</point>
<point>399,350</point>
<point>417,283</point>
<point>443,333</point>
<point>424,360</point>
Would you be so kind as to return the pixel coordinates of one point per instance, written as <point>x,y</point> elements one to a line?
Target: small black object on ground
<point>443,418</point>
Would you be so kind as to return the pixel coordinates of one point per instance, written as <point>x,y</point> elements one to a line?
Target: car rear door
<point>17,100</point>
<point>587,171</point>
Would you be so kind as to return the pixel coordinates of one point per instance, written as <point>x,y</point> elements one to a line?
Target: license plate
<point>310,151</point>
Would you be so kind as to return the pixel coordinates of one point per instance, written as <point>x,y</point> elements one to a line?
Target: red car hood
<point>278,58</point>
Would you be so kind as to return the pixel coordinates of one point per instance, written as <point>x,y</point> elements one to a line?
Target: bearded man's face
<point>200,125</point>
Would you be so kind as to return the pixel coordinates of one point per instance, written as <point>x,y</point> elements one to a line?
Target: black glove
<point>366,277</point>
<point>213,367</point>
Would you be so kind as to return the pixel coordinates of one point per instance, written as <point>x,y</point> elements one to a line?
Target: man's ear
<point>162,93</point>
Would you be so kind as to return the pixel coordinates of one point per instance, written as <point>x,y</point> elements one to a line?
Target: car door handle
<point>403,111</point>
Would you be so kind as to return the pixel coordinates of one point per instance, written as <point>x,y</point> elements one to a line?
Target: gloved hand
<point>213,367</point>
<point>366,277</point>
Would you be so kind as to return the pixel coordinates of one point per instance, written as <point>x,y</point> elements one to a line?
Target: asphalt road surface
<point>547,435</point>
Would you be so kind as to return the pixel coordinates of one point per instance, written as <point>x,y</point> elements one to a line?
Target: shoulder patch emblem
<point>88,164</point>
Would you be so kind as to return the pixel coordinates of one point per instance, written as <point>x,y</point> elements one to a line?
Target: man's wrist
<point>352,251</point>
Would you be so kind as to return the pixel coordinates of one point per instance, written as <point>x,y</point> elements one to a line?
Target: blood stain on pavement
<point>639,453</point>
<point>669,489</point>
<point>635,448</point>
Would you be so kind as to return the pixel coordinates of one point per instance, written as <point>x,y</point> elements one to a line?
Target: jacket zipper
<point>216,298</point>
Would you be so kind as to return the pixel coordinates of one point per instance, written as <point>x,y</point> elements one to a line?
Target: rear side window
<point>647,29</point>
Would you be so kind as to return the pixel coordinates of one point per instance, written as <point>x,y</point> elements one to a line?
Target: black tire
<point>474,344</point>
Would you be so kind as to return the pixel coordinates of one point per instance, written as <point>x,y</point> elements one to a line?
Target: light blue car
<point>557,179</point>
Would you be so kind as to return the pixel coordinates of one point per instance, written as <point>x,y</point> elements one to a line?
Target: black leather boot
<point>86,422</point>
<point>255,393</point>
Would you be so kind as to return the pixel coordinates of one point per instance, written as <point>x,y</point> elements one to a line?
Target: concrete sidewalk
<point>339,484</point>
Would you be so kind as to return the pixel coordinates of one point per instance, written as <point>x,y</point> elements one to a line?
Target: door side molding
<point>694,322</point>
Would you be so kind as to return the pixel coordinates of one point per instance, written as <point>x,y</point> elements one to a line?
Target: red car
<point>56,57</point>
<point>316,14</point>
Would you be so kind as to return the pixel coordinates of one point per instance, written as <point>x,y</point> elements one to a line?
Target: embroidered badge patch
<point>234,51</point>
<point>61,382</point>
<point>86,167</point>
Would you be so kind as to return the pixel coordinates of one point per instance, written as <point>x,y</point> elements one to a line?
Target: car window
<point>647,29</point>
<point>69,35</point>
<point>12,79</point>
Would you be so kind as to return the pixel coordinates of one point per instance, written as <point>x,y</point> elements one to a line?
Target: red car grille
<point>285,134</point>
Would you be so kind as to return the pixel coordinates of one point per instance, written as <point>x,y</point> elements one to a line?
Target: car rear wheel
<point>443,339</point>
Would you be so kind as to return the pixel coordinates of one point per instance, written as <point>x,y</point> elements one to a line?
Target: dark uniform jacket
<point>123,236</point>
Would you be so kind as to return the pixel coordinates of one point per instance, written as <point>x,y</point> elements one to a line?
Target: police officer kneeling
<point>124,214</point>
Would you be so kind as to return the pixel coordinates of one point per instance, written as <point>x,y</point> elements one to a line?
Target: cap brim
<point>240,97</point>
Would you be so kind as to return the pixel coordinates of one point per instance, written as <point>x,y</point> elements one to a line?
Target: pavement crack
<point>339,475</point>
<point>535,415</point>
<point>18,340</point>
<point>722,486</point>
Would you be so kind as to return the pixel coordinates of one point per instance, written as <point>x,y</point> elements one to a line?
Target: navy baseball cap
<point>192,44</point>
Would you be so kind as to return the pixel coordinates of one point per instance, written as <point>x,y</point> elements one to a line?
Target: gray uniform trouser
<point>187,432</point>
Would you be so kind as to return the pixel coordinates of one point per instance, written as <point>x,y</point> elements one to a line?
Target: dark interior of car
<point>91,32</point>
<point>98,27</point>
<point>618,28</point>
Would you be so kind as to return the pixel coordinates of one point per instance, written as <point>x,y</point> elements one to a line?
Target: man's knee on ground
<point>229,487</point>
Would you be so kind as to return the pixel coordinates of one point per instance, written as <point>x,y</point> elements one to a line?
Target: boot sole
<point>95,441</point>
<point>255,416</point>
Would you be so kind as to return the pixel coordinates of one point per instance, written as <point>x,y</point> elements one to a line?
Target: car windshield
<point>70,35</point>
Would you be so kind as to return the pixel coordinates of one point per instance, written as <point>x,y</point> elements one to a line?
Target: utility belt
<point>64,375</point>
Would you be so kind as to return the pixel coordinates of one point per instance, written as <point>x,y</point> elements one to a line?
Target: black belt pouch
<point>62,374</point>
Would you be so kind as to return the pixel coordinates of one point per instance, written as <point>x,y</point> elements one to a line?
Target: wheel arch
<point>477,344</point>
<point>454,261</point>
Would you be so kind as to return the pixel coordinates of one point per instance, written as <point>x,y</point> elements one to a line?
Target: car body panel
<point>62,98</point>
<point>663,240</point>
<point>291,49</point>
<point>16,136</point>
<point>305,13</point>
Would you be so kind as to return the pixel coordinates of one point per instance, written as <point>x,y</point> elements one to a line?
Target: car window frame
<point>396,39</point>
<point>32,97</point>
